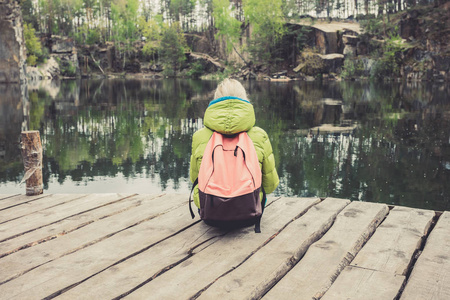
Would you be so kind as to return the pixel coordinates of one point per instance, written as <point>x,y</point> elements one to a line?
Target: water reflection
<point>14,111</point>
<point>363,141</point>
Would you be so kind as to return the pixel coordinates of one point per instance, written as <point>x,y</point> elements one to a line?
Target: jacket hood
<point>229,115</point>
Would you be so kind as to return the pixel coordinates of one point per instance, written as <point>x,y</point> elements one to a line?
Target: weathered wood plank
<point>223,255</point>
<point>21,262</point>
<point>261,271</point>
<point>389,252</point>
<point>19,200</point>
<point>125,276</point>
<point>6,196</point>
<point>310,279</point>
<point>392,246</point>
<point>19,211</point>
<point>67,225</point>
<point>430,278</point>
<point>48,216</point>
<point>358,283</point>
<point>136,271</point>
<point>54,277</point>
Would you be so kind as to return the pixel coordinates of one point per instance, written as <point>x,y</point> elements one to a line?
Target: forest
<point>157,31</point>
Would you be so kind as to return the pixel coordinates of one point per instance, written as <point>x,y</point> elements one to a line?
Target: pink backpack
<point>229,182</point>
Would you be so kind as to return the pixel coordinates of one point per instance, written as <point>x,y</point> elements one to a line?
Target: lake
<point>363,141</point>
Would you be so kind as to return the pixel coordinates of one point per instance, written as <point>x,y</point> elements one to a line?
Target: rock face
<point>314,63</point>
<point>209,64</point>
<point>47,71</point>
<point>62,63</point>
<point>12,43</point>
<point>65,52</point>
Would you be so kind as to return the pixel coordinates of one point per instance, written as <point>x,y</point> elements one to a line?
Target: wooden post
<point>32,160</point>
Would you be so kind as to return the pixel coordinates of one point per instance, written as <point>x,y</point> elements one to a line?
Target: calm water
<point>389,142</point>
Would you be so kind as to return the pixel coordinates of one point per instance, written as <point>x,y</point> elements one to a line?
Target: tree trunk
<point>32,160</point>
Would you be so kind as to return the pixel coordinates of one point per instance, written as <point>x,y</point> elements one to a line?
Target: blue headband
<point>225,98</point>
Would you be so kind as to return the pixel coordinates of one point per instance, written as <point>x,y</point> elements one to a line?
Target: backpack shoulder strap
<point>190,198</point>
<point>263,204</point>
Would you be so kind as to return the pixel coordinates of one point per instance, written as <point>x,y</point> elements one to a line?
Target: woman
<point>230,113</point>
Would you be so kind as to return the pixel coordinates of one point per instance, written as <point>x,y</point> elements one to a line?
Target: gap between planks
<point>68,225</point>
<point>19,227</point>
<point>149,262</point>
<point>71,243</point>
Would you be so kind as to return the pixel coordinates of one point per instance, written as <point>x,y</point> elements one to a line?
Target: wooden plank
<point>223,255</point>
<point>67,225</point>
<point>19,200</point>
<point>19,211</point>
<point>392,246</point>
<point>56,276</point>
<point>269,264</point>
<point>48,216</point>
<point>381,265</point>
<point>6,196</point>
<point>21,262</point>
<point>125,276</point>
<point>136,271</point>
<point>430,278</point>
<point>325,259</point>
<point>358,283</point>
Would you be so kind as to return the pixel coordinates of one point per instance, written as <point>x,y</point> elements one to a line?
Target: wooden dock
<point>113,246</point>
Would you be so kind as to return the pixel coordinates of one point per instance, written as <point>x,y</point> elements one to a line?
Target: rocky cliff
<point>12,43</point>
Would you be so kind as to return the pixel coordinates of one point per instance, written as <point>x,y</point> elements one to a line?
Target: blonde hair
<point>230,87</point>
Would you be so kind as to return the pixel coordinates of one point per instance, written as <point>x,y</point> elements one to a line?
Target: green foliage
<point>29,13</point>
<point>88,36</point>
<point>31,60</point>
<point>178,8</point>
<point>372,26</point>
<point>33,45</point>
<point>151,30</point>
<point>267,27</point>
<point>196,70</point>
<point>228,27</point>
<point>389,63</point>
<point>352,68</point>
<point>124,16</point>
<point>172,48</point>
<point>93,37</point>
<point>38,101</point>
<point>68,69</point>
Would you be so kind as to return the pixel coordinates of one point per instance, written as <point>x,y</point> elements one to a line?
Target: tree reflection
<point>398,154</point>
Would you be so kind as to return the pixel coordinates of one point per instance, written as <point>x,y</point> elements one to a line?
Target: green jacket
<point>230,115</point>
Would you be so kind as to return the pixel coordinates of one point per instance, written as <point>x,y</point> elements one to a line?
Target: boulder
<point>310,64</point>
<point>49,70</point>
<point>409,26</point>
<point>62,45</point>
<point>314,63</point>
<point>68,63</point>
<point>333,63</point>
<point>199,43</point>
<point>350,40</point>
<point>350,50</point>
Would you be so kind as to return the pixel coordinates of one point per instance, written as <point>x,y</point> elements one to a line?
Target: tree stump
<point>32,160</point>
